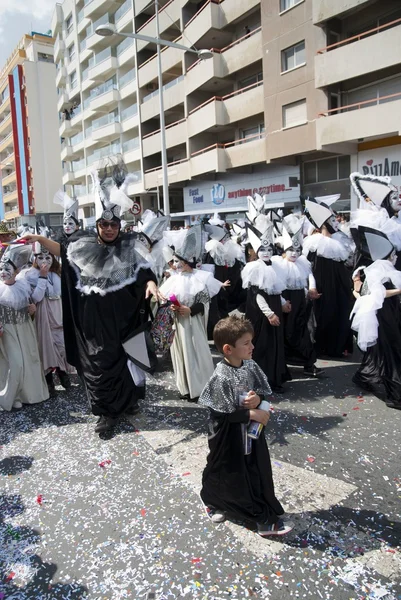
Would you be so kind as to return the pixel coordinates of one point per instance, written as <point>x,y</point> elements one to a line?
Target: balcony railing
<point>356,38</point>
<point>127,78</point>
<point>129,112</point>
<point>227,96</point>
<point>165,87</point>
<point>176,162</point>
<point>103,121</point>
<point>105,87</point>
<point>222,50</point>
<point>127,43</point>
<point>202,9</point>
<point>124,8</point>
<point>154,16</point>
<point>79,190</point>
<point>148,135</point>
<point>77,139</point>
<point>77,165</point>
<point>101,21</point>
<point>244,140</point>
<point>132,144</point>
<point>110,150</point>
<point>362,104</point>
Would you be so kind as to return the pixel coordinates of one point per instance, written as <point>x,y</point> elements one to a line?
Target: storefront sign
<point>382,161</point>
<point>232,191</point>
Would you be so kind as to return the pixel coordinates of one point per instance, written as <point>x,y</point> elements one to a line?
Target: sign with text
<point>382,161</point>
<point>231,191</point>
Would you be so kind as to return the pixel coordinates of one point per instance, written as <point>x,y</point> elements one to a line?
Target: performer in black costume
<point>107,286</point>
<point>264,283</point>
<point>377,316</point>
<point>333,281</point>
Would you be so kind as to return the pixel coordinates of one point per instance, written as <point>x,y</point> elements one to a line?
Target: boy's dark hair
<point>230,330</point>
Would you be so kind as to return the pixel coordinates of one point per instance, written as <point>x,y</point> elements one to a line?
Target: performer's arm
<point>266,310</point>
<point>52,246</point>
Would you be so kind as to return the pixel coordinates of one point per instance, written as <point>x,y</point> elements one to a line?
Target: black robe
<point>298,346</point>
<point>268,340</point>
<point>95,326</point>
<point>333,308</point>
<point>382,362</point>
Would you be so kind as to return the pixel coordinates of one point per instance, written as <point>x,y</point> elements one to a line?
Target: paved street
<point>120,517</point>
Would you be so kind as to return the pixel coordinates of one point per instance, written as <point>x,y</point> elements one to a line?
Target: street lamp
<point>107,30</point>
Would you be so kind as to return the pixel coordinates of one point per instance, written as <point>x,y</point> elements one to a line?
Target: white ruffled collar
<point>15,296</point>
<point>325,246</point>
<point>268,278</point>
<point>296,273</point>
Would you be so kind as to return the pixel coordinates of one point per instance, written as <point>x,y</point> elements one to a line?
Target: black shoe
<point>184,396</point>
<point>278,389</point>
<point>313,371</point>
<point>193,400</point>
<point>362,384</point>
<point>105,424</point>
<point>392,404</point>
<point>133,410</point>
<point>50,384</point>
<point>64,379</point>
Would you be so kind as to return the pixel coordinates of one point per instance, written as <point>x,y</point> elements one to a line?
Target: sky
<point>22,16</point>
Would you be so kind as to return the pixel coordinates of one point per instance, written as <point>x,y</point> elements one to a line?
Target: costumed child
<point>21,376</point>
<point>297,274</point>
<point>238,481</point>
<point>328,256</point>
<point>264,283</point>
<point>376,316</point>
<point>193,289</point>
<point>44,279</point>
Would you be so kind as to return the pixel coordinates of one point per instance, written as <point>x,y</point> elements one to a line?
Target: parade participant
<point>193,289</point>
<point>70,217</point>
<point>333,281</point>
<point>44,279</point>
<point>107,288</point>
<point>376,316</point>
<point>21,376</point>
<point>264,283</point>
<point>297,273</point>
<point>150,241</point>
<point>238,481</point>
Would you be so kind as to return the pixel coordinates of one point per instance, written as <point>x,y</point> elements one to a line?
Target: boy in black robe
<point>237,480</point>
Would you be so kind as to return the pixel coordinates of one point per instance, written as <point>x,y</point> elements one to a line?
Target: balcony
<point>106,128</point>
<point>171,57</point>
<point>129,118</point>
<point>8,160</point>
<point>176,134</point>
<point>105,97</point>
<point>131,150</point>
<point>207,18</point>
<point>173,94</point>
<point>125,52</point>
<point>177,171</point>
<point>347,59</point>
<point>97,157</point>
<point>94,40</point>
<point>224,110</point>
<point>5,125</point>
<point>105,64</point>
<point>61,75</point>
<point>62,102</point>
<point>95,8</point>
<point>83,22</point>
<point>209,159</point>
<point>9,215</point>
<point>168,14</point>
<point>9,179</point>
<point>6,142</point>
<point>246,151</point>
<point>123,15</point>
<point>59,49</point>
<point>380,117</point>
<point>10,196</point>
<point>57,20</point>
<point>127,84</point>
<point>66,152</point>
<point>323,10</point>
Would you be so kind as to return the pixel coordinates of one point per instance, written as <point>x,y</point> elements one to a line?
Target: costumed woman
<point>376,316</point>
<point>333,282</point>
<point>297,274</point>
<point>193,288</point>
<point>264,283</point>
<point>107,285</point>
<point>21,376</point>
<point>44,279</point>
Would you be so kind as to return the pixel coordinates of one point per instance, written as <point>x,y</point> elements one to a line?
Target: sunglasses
<point>108,224</point>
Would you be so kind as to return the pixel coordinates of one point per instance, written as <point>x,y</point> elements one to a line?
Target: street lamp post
<point>108,30</point>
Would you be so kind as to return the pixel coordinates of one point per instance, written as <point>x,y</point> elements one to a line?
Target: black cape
<point>298,345</point>
<point>268,340</point>
<point>333,308</point>
<point>381,364</point>
<point>95,327</point>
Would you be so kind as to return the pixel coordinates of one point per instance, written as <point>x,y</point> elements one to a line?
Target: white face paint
<point>292,254</point>
<point>178,264</point>
<point>44,259</point>
<point>334,223</point>
<point>265,253</point>
<point>7,273</point>
<point>69,226</point>
<point>395,201</point>
<point>393,258</point>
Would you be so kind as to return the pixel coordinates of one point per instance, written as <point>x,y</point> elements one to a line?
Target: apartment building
<point>30,170</point>
<point>334,95</point>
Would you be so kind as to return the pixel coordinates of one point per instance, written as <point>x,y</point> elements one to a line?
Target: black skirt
<point>298,346</point>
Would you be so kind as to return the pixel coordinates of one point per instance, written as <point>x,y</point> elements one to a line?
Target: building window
<point>45,57</point>
<point>293,57</point>
<point>69,24</point>
<point>253,133</point>
<point>73,80</point>
<point>71,52</point>
<point>328,176</point>
<point>287,4</point>
<point>294,114</point>
<point>243,83</point>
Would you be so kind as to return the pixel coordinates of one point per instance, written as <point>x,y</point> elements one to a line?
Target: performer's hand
<point>226,283</point>
<point>183,311</point>
<point>31,309</point>
<point>314,294</point>
<point>286,308</point>
<point>44,270</point>
<point>153,290</point>
<point>30,238</point>
<point>261,416</point>
<point>252,400</point>
<point>274,320</point>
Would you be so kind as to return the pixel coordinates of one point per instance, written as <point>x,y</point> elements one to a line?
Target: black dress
<point>381,364</point>
<point>95,327</point>
<point>333,308</point>
<point>268,340</point>
<point>298,346</point>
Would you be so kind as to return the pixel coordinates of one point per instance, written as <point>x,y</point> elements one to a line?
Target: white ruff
<point>186,286</point>
<point>364,313</point>
<point>268,278</point>
<point>324,246</point>
<point>377,218</point>
<point>224,254</point>
<point>296,274</point>
<point>17,295</point>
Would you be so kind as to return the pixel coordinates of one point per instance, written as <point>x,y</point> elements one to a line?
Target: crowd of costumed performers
<point>87,302</point>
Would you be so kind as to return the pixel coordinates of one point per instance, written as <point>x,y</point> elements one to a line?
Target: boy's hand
<point>274,320</point>
<point>31,309</point>
<point>261,416</point>
<point>252,400</point>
